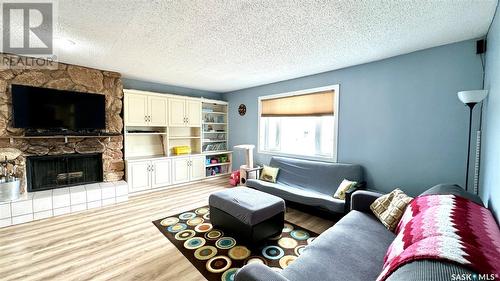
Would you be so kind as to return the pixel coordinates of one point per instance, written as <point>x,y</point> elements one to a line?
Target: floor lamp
<point>470,99</point>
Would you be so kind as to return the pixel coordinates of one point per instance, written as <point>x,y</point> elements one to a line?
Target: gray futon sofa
<point>310,183</point>
<point>354,248</point>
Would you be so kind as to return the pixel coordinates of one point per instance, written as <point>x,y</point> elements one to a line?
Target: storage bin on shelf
<point>183,149</point>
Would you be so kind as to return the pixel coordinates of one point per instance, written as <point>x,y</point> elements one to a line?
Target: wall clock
<point>242,109</point>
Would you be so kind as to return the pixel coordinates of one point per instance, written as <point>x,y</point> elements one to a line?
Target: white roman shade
<point>313,104</point>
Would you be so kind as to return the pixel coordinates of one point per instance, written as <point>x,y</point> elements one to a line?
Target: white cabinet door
<point>157,111</point>
<point>161,173</point>
<point>180,170</point>
<point>176,112</point>
<point>193,113</point>
<point>136,110</point>
<point>197,167</point>
<point>138,176</point>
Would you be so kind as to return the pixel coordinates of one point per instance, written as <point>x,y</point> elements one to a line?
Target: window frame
<point>336,99</point>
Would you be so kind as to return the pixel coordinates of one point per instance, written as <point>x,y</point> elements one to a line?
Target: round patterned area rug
<point>225,243</point>
<point>229,274</point>
<point>218,257</point>
<point>218,264</point>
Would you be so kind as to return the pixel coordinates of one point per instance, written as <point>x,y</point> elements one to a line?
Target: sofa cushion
<point>353,249</point>
<point>269,174</point>
<point>326,176</point>
<point>299,195</point>
<point>442,189</point>
<point>390,207</point>
<point>344,186</point>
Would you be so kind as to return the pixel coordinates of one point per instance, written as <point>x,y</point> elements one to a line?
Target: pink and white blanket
<point>448,228</point>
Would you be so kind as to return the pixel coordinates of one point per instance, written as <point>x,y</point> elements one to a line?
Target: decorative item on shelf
<point>470,99</point>
<point>183,149</point>
<point>242,109</point>
<point>10,185</point>
<point>223,159</point>
<point>214,161</point>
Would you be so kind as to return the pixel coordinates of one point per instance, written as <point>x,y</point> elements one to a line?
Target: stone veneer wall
<point>65,77</point>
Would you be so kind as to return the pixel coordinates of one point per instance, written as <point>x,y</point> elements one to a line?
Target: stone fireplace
<point>57,171</point>
<point>17,147</point>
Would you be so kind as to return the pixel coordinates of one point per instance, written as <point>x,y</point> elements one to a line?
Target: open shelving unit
<point>218,160</point>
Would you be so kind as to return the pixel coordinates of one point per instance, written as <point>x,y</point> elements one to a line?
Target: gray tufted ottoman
<point>248,214</point>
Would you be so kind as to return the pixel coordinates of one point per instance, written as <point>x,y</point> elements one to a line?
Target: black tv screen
<point>43,108</point>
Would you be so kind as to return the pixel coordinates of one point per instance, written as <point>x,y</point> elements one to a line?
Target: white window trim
<point>334,88</point>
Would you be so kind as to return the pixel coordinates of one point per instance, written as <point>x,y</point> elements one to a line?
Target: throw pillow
<point>389,208</point>
<point>344,186</point>
<point>269,174</point>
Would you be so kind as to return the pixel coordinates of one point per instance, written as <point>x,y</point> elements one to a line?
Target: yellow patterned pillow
<point>344,186</point>
<point>389,208</point>
<point>269,174</point>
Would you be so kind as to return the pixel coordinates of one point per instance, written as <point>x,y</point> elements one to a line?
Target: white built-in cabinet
<point>184,112</point>
<point>156,123</point>
<point>143,175</point>
<point>142,110</point>
<point>188,169</point>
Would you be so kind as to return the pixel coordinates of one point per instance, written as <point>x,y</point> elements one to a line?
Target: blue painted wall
<point>490,166</point>
<point>400,117</point>
<point>163,88</point>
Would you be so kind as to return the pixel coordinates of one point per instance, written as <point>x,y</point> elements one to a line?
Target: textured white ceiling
<point>225,45</point>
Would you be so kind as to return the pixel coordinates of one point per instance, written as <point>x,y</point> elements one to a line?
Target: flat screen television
<point>51,109</point>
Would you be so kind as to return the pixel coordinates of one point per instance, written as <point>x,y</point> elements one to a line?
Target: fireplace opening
<point>56,171</point>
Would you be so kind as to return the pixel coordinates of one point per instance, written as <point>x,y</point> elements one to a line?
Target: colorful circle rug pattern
<point>202,211</point>
<point>287,243</point>
<point>309,240</point>
<point>287,260</point>
<point>300,234</point>
<point>287,228</point>
<point>194,243</point>
<point>239,253</point>
<point>204,227</point>
<point>195,221</point>
<point>185,234</point>
<point>255,259</point>
<point>229,274</point>
<point>299,250</point>
<point>205,252</point>
<point>214,234</point>
<point>225,243</point>
<point>187,215</point>
<point>218,264</point>
<point>177,227</point>
<point>273,252</point>
<point>169,221</point>
<point>218,257</point>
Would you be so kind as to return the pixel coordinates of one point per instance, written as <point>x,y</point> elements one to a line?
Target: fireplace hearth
<point>56,171</point>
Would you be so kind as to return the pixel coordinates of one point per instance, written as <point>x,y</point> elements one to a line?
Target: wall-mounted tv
<point>51,109</point>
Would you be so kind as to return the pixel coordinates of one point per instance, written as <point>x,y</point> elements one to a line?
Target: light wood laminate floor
<point>117,242</point>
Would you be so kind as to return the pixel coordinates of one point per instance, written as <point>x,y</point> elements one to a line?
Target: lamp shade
<point>474,96</point>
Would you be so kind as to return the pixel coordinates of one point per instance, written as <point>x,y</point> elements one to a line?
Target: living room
<point>250,140</point>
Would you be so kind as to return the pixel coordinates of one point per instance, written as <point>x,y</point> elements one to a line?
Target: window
<point>300,124</point>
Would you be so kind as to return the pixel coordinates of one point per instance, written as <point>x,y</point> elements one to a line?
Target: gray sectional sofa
<point>310,183</point>
<point>354,249</point>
